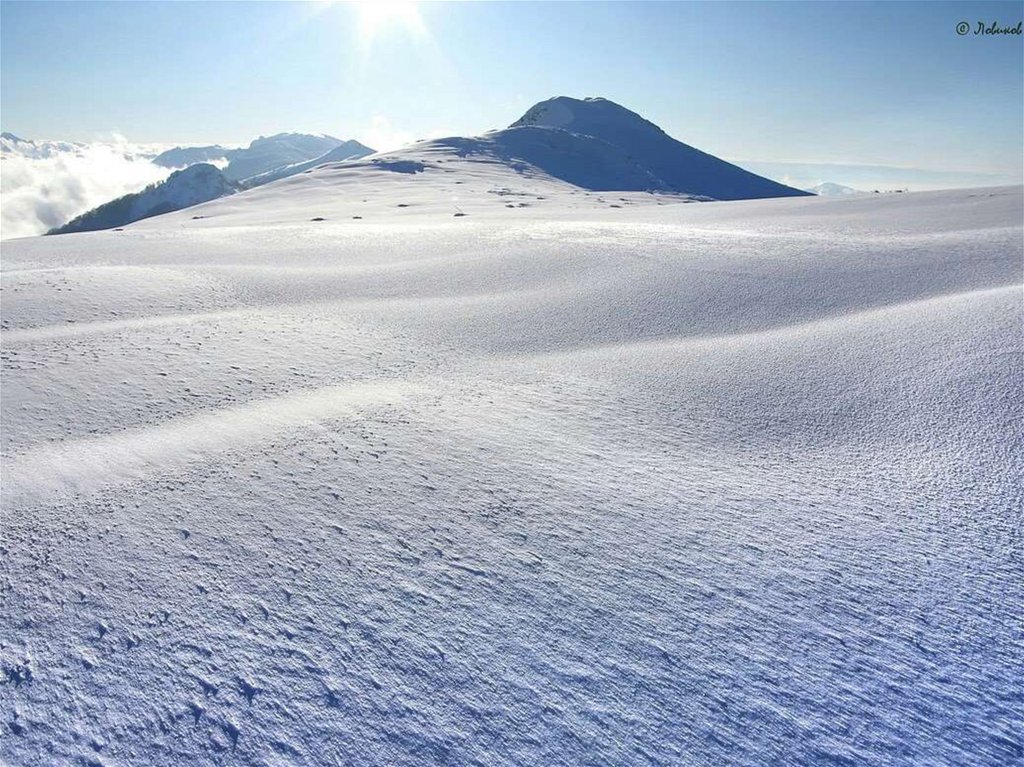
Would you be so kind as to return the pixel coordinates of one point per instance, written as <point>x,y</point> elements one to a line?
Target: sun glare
<point>379,16</point>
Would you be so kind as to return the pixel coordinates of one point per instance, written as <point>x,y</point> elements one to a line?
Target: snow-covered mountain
<point>183,156</point>
<point>182,189</point>
<point>583,146</point>
<point>11,145</point>
<point>531,164</point>
<point>561,147</point>
<point>269,153</point>
<point>349,150</point>
<point>829,189</point>
<point>266,156</point>
<point>638,151</point>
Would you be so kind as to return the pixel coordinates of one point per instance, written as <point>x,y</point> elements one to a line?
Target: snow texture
<point>575,478</point>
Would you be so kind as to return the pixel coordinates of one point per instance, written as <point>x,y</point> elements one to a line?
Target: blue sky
<point>787,84</point>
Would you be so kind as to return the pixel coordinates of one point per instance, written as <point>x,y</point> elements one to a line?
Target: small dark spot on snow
<point>248,690</point>
<point>317,218</point>
<point>232,732</point>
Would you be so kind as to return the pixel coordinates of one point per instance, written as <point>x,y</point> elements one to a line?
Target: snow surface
<point>559,483</point>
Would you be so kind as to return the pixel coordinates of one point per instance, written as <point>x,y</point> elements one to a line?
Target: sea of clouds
<point>44,184</point>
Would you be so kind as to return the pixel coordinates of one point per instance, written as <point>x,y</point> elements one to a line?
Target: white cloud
<point>46,184</point>
<point>382,136</point>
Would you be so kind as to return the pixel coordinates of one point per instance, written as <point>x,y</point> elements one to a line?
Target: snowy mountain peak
<point>589,116</point>
<point>644,155</point>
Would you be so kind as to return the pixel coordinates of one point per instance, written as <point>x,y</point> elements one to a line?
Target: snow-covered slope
<point>182,189</point>
<point>728,483</point>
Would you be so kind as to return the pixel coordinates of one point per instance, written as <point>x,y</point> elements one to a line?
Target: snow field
<point>727,483</point>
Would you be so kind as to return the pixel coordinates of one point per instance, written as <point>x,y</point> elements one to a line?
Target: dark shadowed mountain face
<point>182,189</point>
<point>636,143</point>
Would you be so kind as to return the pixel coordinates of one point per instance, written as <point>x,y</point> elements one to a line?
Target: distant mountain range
<point>11,144</point>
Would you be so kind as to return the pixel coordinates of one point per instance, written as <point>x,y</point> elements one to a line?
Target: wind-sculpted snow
<point>659,484</point>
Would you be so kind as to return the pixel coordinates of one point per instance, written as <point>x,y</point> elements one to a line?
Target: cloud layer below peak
<point>44,184</point>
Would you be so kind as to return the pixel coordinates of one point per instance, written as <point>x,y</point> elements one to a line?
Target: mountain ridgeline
<point>263,155</point>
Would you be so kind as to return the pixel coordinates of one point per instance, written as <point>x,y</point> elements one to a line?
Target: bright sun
<point>379,15</point>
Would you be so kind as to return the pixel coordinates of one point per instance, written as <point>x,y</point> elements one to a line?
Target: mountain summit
<point>674,165</point>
